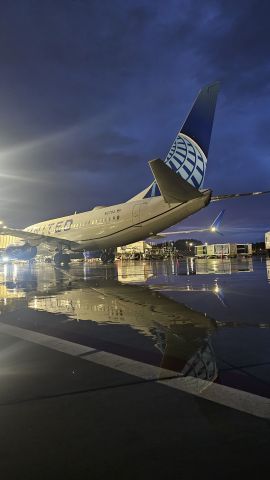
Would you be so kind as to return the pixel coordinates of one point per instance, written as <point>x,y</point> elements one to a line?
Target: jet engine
<point>20,252</point>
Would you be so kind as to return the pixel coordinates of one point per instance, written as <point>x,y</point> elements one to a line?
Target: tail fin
<point>199,122</point>
<point>188,154</point>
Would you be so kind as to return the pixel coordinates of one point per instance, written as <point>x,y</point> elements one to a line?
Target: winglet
<point>173,187</point>
<point>217,222</point>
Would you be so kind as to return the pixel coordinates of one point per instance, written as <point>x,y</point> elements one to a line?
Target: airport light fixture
<point>190,244</point>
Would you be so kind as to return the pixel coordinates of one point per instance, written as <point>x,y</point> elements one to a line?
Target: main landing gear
<point>107,256</point>
<point>61,258</point>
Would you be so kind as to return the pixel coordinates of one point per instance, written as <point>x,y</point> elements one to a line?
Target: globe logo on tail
<point>187,159</point>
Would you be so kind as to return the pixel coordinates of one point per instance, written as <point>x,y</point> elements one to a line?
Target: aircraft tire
<point>107,257</point>
<point>65,258</point>
<point>111,258</point>
<point>57,259</point>
<point>61,258</point>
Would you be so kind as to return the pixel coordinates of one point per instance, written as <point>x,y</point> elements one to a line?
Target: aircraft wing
<point>36,238</point>
<point>217,198</point>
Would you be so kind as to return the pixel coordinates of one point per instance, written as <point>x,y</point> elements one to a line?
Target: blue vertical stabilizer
<point>188,154</point>
<point>199,122</point>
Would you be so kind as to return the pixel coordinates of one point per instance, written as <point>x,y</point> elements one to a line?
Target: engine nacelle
<point>20,252</point>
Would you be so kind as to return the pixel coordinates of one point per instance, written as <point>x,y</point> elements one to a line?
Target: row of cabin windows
<point>74,225</point>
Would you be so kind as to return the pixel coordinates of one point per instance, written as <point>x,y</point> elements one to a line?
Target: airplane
<point>175,193</point>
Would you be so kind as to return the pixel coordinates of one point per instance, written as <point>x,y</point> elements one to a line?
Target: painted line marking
<point>64,346</point>
<point>89,352</point>
<point>222,394</point>
<point>131,367</point>
<point>106,359</point>
<point>230,397</point>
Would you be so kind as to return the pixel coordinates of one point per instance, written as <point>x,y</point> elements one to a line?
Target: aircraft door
<point>136,213</point>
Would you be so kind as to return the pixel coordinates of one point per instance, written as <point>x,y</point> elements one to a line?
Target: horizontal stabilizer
<point>217,198</point>
<point>173,187</point>
<point>214,228</point>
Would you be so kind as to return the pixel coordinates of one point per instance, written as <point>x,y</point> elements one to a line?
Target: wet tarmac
<point>207,318</point>
<point>199,328</point>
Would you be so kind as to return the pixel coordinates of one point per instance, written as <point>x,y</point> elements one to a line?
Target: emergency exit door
<point>136,213</point>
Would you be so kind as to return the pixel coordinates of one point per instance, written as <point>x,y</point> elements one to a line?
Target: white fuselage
<point>112,226</point>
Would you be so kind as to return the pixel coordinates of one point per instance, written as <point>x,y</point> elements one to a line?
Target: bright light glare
<point>213,229</point>
<point>5,258</point>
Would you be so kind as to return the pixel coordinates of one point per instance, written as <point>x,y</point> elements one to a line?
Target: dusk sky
<point>90,91</point>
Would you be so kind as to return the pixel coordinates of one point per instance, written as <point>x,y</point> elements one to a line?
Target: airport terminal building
<point>221,250</point>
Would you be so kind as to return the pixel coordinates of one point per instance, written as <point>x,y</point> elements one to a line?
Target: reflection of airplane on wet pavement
<point>181,334</point>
